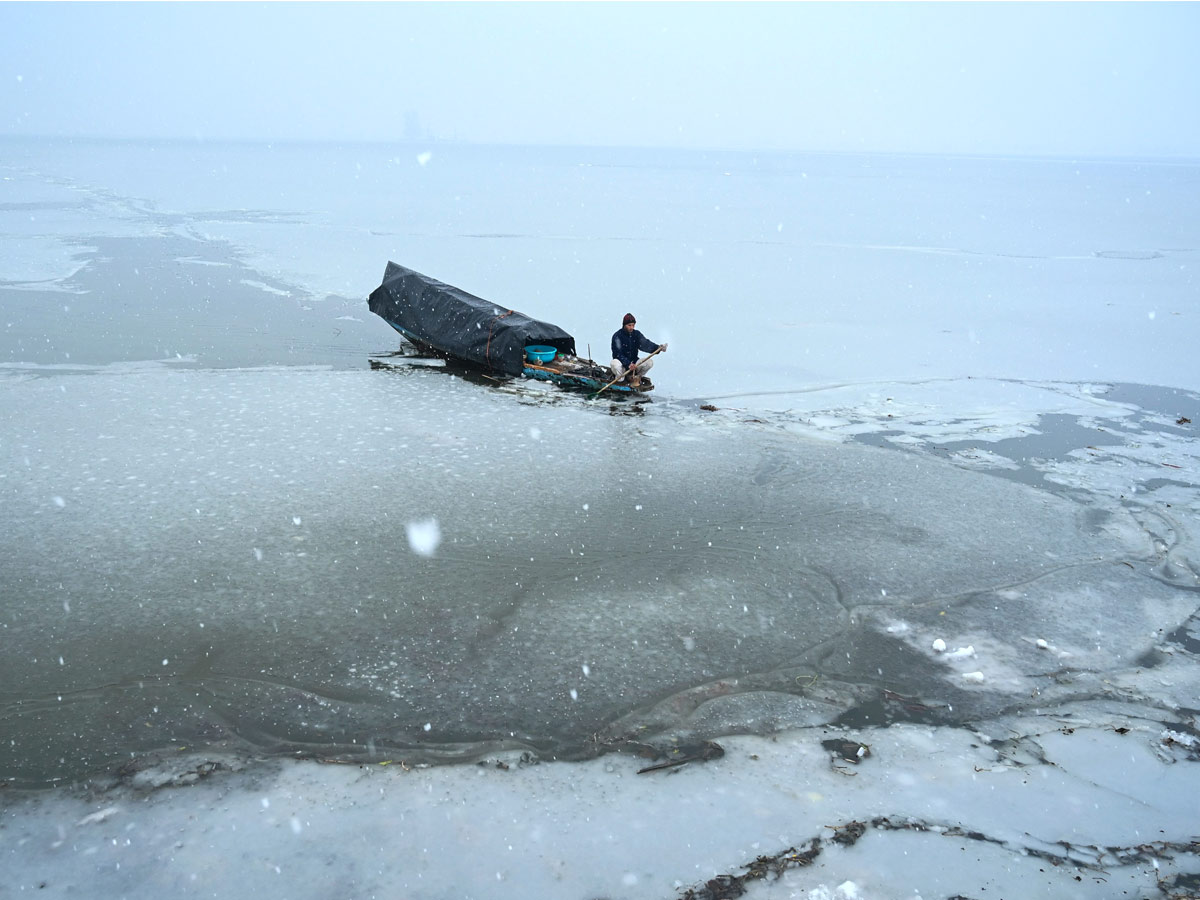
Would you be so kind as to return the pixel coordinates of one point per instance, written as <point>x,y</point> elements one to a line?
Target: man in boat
<point>625,346</point>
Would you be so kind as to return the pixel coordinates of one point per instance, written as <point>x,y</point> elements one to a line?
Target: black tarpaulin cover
<point>459,324</point>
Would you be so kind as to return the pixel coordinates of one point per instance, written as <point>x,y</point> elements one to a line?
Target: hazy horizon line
<point>457,143</point>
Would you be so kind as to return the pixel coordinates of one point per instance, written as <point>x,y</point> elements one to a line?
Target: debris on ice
<point>1176,737</point>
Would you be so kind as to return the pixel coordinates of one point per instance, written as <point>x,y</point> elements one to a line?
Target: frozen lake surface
<point>919,477</point>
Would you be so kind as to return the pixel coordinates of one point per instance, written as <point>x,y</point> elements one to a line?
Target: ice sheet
<point>249,535</point>
<point>910,403</point>
<point>930,813</point>
<point>764,271</point>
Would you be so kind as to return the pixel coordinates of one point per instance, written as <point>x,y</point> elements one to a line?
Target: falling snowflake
<point>424,536</point>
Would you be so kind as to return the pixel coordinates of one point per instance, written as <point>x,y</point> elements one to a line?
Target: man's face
<point>629,326</point>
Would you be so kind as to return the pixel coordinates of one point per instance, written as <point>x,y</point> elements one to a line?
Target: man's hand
<point>663,348</point>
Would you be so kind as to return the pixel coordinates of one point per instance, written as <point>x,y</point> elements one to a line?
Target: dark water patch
<point>910,687</point>
<point>1058,435</point>
<point>1187,636</point>
<point>1184,884</point>
<point>153,298</point>
<point>1160,408</point>
<point>1154,409</point>
<point>889,709</point>
<point>1024,473</point>
<point>1154,484</point>
<point>1149,659</point>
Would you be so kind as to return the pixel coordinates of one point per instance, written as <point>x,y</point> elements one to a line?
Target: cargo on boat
<point>445,321</point>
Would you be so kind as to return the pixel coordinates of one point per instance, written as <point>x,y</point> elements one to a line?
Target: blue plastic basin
<point>540,353</point>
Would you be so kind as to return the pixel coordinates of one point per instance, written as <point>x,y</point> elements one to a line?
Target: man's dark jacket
<point>626,344</point>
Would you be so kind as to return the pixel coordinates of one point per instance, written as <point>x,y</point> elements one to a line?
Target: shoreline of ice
<point>781,815</point>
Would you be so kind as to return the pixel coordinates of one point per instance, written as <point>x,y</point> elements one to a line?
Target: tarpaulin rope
<point>487,353</point>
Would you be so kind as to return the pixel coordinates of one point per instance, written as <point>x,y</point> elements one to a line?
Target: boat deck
<point>573,370</point>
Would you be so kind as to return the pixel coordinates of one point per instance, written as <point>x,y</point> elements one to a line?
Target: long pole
<point>619,377</point>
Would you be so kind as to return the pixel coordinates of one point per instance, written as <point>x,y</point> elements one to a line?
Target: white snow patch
<point>197,261</point>
<point>847,890</point>
<point>99,816</point>
<point>279,292</point>
<point>1177,737</point>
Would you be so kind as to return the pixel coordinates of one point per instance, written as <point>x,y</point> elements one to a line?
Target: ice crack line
<point>1089,858</point>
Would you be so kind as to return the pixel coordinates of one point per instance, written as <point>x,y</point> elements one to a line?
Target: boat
<point>444,321</point>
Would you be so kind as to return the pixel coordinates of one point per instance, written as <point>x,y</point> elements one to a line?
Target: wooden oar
<point>619,377</point>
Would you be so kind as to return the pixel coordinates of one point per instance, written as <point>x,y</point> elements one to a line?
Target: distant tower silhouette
<point>412,125</point>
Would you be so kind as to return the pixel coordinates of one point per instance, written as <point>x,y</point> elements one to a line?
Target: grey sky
<point>1038,78</point>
